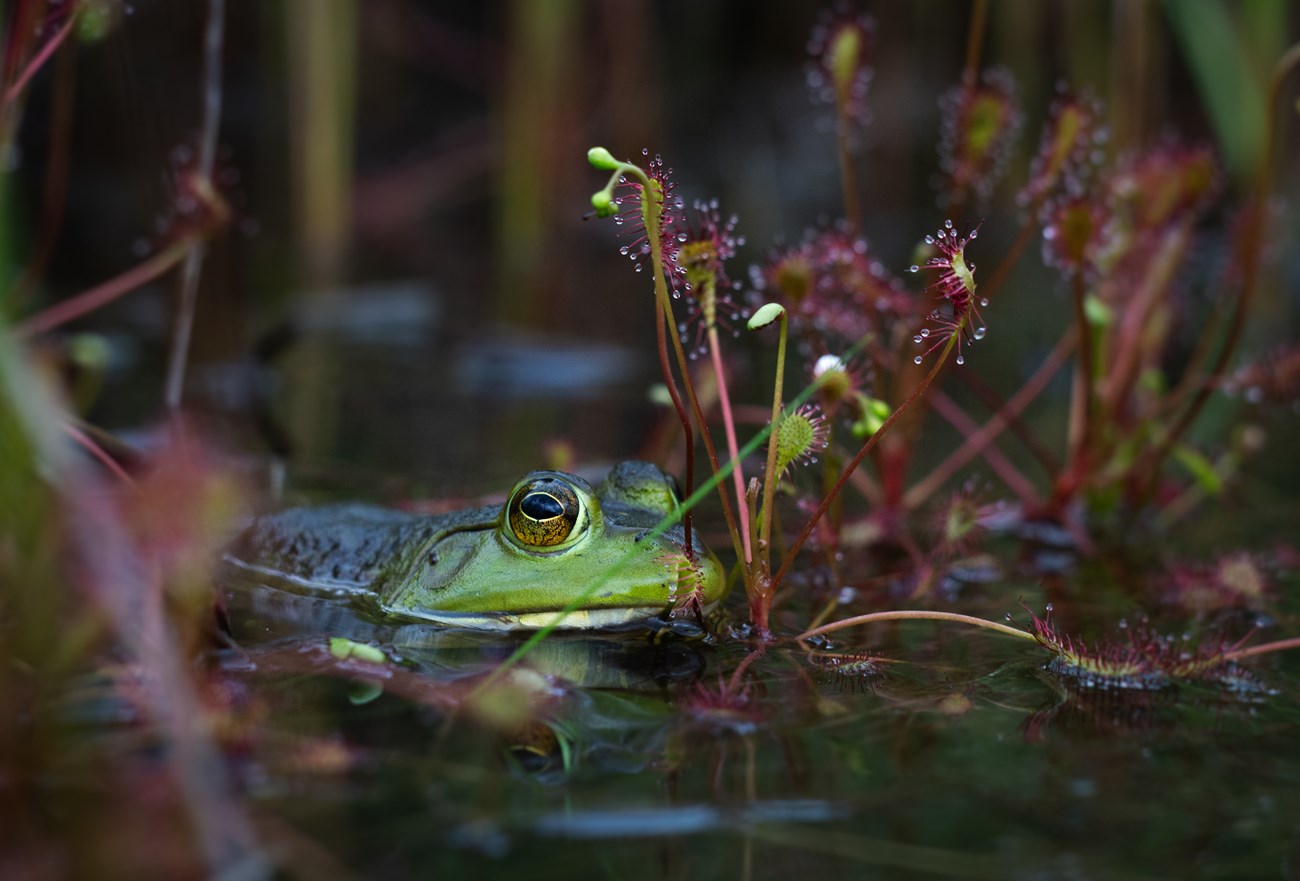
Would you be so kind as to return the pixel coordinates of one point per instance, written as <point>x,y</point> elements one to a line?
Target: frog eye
<point>544,512</point>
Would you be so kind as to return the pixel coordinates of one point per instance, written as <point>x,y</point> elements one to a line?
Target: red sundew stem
<point>651,210</point>
<point>729,426</point>
<point>88,443</point>
<point>1086,368</point>
<point>55,185</point>
<point>744,665</point>
<point>917,615</point>
<point>665,312</point>
<point>1250,270</point>
<point>705,435</point>
<point>1263,649</point>
<point>848,179</point>
<point>662,346</point>
<point>101,295</point>
<point>974,41</point>
<point>213,38</point>
<point>15,89</point>
<point>867,447</point>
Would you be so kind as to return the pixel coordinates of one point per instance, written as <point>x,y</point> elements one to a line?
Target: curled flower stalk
<point>651,215</point>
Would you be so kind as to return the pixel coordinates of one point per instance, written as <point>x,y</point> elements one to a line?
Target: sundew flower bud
<point>800,436</point>
<point>1072,146</point>
<point>980,124</point>
<point>873,412</point>
<point>831,375</point>
<point>602,159</point>
<point>838,384</point>
<point>839,73</point>
<point>956,285</point>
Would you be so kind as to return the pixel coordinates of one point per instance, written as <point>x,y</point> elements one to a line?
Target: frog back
<point>347,547</point>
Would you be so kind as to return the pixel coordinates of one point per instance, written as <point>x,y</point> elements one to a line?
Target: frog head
<point>558,542</point>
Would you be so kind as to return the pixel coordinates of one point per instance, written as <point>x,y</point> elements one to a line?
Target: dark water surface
<point>957,755</point>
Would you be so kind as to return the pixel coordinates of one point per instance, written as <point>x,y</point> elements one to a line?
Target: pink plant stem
<point>986,433</point>
<point>96,297</point>
<point>729,425</point>
<point>916,615</point>
<point>88,444</point>
<point>1266,648</point>
<point>16,88</point>
<point>744,665</point>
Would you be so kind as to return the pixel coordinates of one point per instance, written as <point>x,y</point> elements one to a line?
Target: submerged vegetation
<point>133,674</point>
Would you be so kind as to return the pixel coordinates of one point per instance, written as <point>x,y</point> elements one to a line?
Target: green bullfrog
<point>501,567</point>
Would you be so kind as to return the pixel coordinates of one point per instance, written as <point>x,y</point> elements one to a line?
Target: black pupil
<point>541,506</point>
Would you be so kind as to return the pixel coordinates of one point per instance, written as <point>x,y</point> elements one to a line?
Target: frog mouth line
<point>578,619</point>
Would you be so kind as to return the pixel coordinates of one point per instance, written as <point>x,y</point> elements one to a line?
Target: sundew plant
<point>1124,226</point>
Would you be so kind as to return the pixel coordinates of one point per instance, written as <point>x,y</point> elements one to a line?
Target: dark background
<point>410,301</point>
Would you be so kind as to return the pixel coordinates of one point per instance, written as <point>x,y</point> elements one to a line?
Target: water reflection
<point>952,758</point>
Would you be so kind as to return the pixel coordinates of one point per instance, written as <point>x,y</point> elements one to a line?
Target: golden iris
<point>543,512</point>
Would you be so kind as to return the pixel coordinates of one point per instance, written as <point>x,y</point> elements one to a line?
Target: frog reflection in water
<point>507,567</point>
